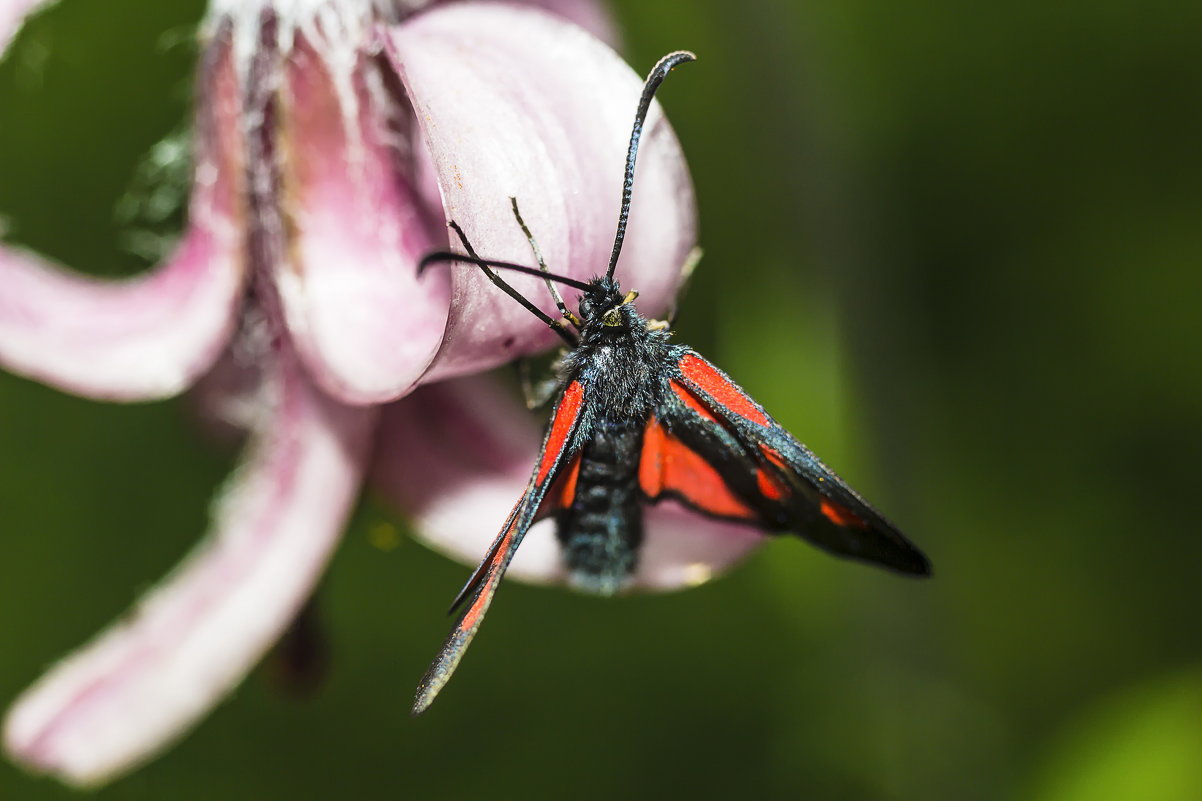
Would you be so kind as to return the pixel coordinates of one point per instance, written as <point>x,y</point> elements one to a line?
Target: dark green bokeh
<point>954,247</point>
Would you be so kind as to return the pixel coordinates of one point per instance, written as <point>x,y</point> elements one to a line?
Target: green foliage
<point>1143,744</point>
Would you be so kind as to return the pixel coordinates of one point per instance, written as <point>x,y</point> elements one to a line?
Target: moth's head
<point>606,307</point>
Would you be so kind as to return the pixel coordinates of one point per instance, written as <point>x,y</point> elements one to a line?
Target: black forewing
<point>560,444</point>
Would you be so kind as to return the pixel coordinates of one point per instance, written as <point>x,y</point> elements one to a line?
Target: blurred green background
<point>954,247</point>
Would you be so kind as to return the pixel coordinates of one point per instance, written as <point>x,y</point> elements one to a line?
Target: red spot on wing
<point>472,616</point>
<point>566,412</point>
<point>836,513</point>
<point>667,465</point>
<point>773,456</point>
<point>841,515</point>
<point>721,389</point>
<point>770,486</point>
<point>651,470</point>
<point>770,483</point>
<point>568,492</point>
<point>691,400</point>
<point>492,573</point>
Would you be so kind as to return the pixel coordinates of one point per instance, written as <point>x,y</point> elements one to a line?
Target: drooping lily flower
<point>333,139</point>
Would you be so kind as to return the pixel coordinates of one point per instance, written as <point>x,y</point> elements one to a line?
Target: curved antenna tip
<point>654,79</point>
<point>677,57</point>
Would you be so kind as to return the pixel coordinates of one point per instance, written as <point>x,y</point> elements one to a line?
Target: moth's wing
<point>717,451</point>
<point>561,446</point>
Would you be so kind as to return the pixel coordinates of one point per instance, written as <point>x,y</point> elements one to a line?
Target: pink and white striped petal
<point>366,326</point>
<point>515,102</point>
<point>12,16</point>
<point>141,684</point>
<point>150,336</point>
<point>455,456</point>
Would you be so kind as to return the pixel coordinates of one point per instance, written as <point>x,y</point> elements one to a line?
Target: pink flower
<point>332,141</point>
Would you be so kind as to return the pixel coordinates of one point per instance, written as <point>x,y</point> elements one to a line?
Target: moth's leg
<point>686,274</point>
<point>538,392</point>
<point>542,265</point>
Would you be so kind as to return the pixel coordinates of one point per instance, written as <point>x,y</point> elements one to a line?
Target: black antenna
<point>441,256</point>
<point>555,325</point>
<point>654,79</point>
<point>542,265</point>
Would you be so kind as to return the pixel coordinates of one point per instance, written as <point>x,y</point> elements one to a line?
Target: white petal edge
<point>12,16</point>
<point>455,456</point>
<point>515,102</point>
<point>145,681</point>
<point>150,336</point>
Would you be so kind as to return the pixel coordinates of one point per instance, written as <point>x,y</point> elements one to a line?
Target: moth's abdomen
<point>602,529</point>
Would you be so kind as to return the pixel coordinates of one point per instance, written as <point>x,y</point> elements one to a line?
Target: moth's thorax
<point>621,366</point>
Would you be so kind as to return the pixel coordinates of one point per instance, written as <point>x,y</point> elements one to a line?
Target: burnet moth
<point>639,419</point>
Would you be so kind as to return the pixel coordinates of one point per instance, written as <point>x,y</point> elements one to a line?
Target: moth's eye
<point>586,307</point>
<point>612,318</point>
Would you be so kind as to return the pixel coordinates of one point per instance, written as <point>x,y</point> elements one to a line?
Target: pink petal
<point>593,16</point>
<point>364,323</point>
<point>684,549</point>
<point>12,15</point>
<point>450,455</point>
<point>146,680</point>
<point>147,337</point>
<point>456,456</point>
<point>514,102</point>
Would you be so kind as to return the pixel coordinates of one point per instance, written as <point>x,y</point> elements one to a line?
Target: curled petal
<point>12,16</point>
<point>365,324</point>
<point>146,337</point>
<point>143,682</point>
<point>455,456</point>
<point>551,132</point>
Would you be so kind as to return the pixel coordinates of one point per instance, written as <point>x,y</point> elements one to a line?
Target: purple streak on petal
<point>145,681</point>
<point>146,337</point>
<point>364,323</point>
<point>514,102</point>
<point>12,15</point>
<point>455,456</point>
